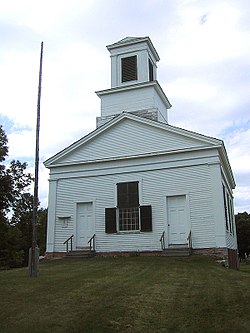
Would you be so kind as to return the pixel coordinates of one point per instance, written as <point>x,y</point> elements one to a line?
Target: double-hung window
<point>128,215</point>
<point>128,206</point>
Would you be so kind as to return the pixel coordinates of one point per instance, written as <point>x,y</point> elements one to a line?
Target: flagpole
<point>34,251</point>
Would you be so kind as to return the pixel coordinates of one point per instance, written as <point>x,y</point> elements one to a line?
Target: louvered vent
<point>129,69</point>
<point>151,70</point>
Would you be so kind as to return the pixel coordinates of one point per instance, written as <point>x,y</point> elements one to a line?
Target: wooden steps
<point>172,251</point>
<point>80,254</point>
<point>175,251</point>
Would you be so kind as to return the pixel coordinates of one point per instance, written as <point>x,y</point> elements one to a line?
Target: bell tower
<point>134,85</point>
<point>133,60</point>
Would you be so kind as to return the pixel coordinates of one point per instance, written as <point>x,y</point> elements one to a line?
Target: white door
<point>84,224</point>
<point>177,220</point>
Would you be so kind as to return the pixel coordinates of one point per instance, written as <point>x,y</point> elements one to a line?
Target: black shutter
<point>127,195</point>
<point>146,218</point>
<point>110,220</point>
<point>129,69</point>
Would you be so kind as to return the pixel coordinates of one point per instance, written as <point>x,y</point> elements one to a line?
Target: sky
<point>204,69</point>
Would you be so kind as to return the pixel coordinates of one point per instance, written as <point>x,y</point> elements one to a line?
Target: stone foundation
<point>229,255</point>
<point>55,255</point>
<point>220,253</point>
<point>129,254</point>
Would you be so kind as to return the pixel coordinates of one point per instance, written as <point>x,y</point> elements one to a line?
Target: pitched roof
<point>198,141</point>
<point>134,40</point>
<point>129,40</point>
<point>125,115</point>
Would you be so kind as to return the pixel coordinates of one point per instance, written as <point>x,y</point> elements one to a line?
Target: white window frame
<point>117,208</point>
<point>127,55</point>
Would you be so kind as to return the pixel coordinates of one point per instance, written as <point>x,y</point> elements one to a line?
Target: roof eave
<point>135,40</point>
<point>140,85</point>
<point>227,166</point>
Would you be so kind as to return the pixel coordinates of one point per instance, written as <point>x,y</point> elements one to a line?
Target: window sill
<point>129,232</point>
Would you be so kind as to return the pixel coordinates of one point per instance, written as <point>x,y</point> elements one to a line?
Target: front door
<point>84,224</point>
<point>177,220</point>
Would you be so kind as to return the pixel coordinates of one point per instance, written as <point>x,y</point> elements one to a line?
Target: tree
<point>41,230</point>
<point>243,233</point>
<point>22,219</point>
<point>11,254</point>
<point>5,179</point>
<point>16,210</point>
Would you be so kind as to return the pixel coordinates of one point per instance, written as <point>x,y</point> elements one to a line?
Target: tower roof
<point>134,40</point>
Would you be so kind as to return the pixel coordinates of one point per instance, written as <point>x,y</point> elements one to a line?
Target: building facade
<point>136,183</point>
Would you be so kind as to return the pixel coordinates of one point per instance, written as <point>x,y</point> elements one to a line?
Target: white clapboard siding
<point>132,100</point>
<point>128,138</point>
<point>166,161</point>
<point>155,186</point>
<point>231,240</point>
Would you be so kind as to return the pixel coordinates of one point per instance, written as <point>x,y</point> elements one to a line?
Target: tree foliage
<point>243,233</point>
<point>16,210</point>
<point>5,179</point>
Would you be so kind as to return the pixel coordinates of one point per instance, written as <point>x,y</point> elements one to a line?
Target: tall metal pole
<point>34,253</point>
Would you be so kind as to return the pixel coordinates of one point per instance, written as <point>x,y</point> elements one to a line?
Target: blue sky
<point>204,46</point>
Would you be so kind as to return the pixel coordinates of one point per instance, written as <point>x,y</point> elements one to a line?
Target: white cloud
<point>19,72</point>
<point>238,149</point>
<point>242,199</point>
<point>205,57</point>
<point>42,15</point>
<point>218,38</point>
<point>22,143</point>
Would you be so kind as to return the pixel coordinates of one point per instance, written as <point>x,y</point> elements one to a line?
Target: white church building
<point>137,184</point>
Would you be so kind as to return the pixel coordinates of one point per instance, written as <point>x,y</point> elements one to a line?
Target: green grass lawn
<point>135,294</point>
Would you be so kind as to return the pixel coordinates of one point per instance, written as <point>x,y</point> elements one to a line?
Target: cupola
<point>133,60</point>
<point>134,87</point>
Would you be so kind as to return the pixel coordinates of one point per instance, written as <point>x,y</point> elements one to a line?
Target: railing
<point>91,243</point>
<point>162,240</point>
<point>67,243</point>
<point>189,239</point>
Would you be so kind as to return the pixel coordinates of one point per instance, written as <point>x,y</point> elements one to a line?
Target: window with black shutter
<point>128,206</point>
<point>128,215</point>
<point>129,68</point>
<point>127,195</point>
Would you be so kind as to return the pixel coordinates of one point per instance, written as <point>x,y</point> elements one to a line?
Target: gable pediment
<point>130,136</point>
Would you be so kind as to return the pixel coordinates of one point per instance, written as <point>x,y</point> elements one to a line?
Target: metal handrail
<point>162,240</point>
<point>67,243</point>
<point>90,241</point>
<point>189,239</point>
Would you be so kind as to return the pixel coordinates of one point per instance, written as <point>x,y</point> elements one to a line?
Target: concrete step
<point>176,252</point>
<point>77,254</point>
<point>82,248</point>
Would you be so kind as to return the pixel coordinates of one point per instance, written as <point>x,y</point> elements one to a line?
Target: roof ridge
<point>128,39</point>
